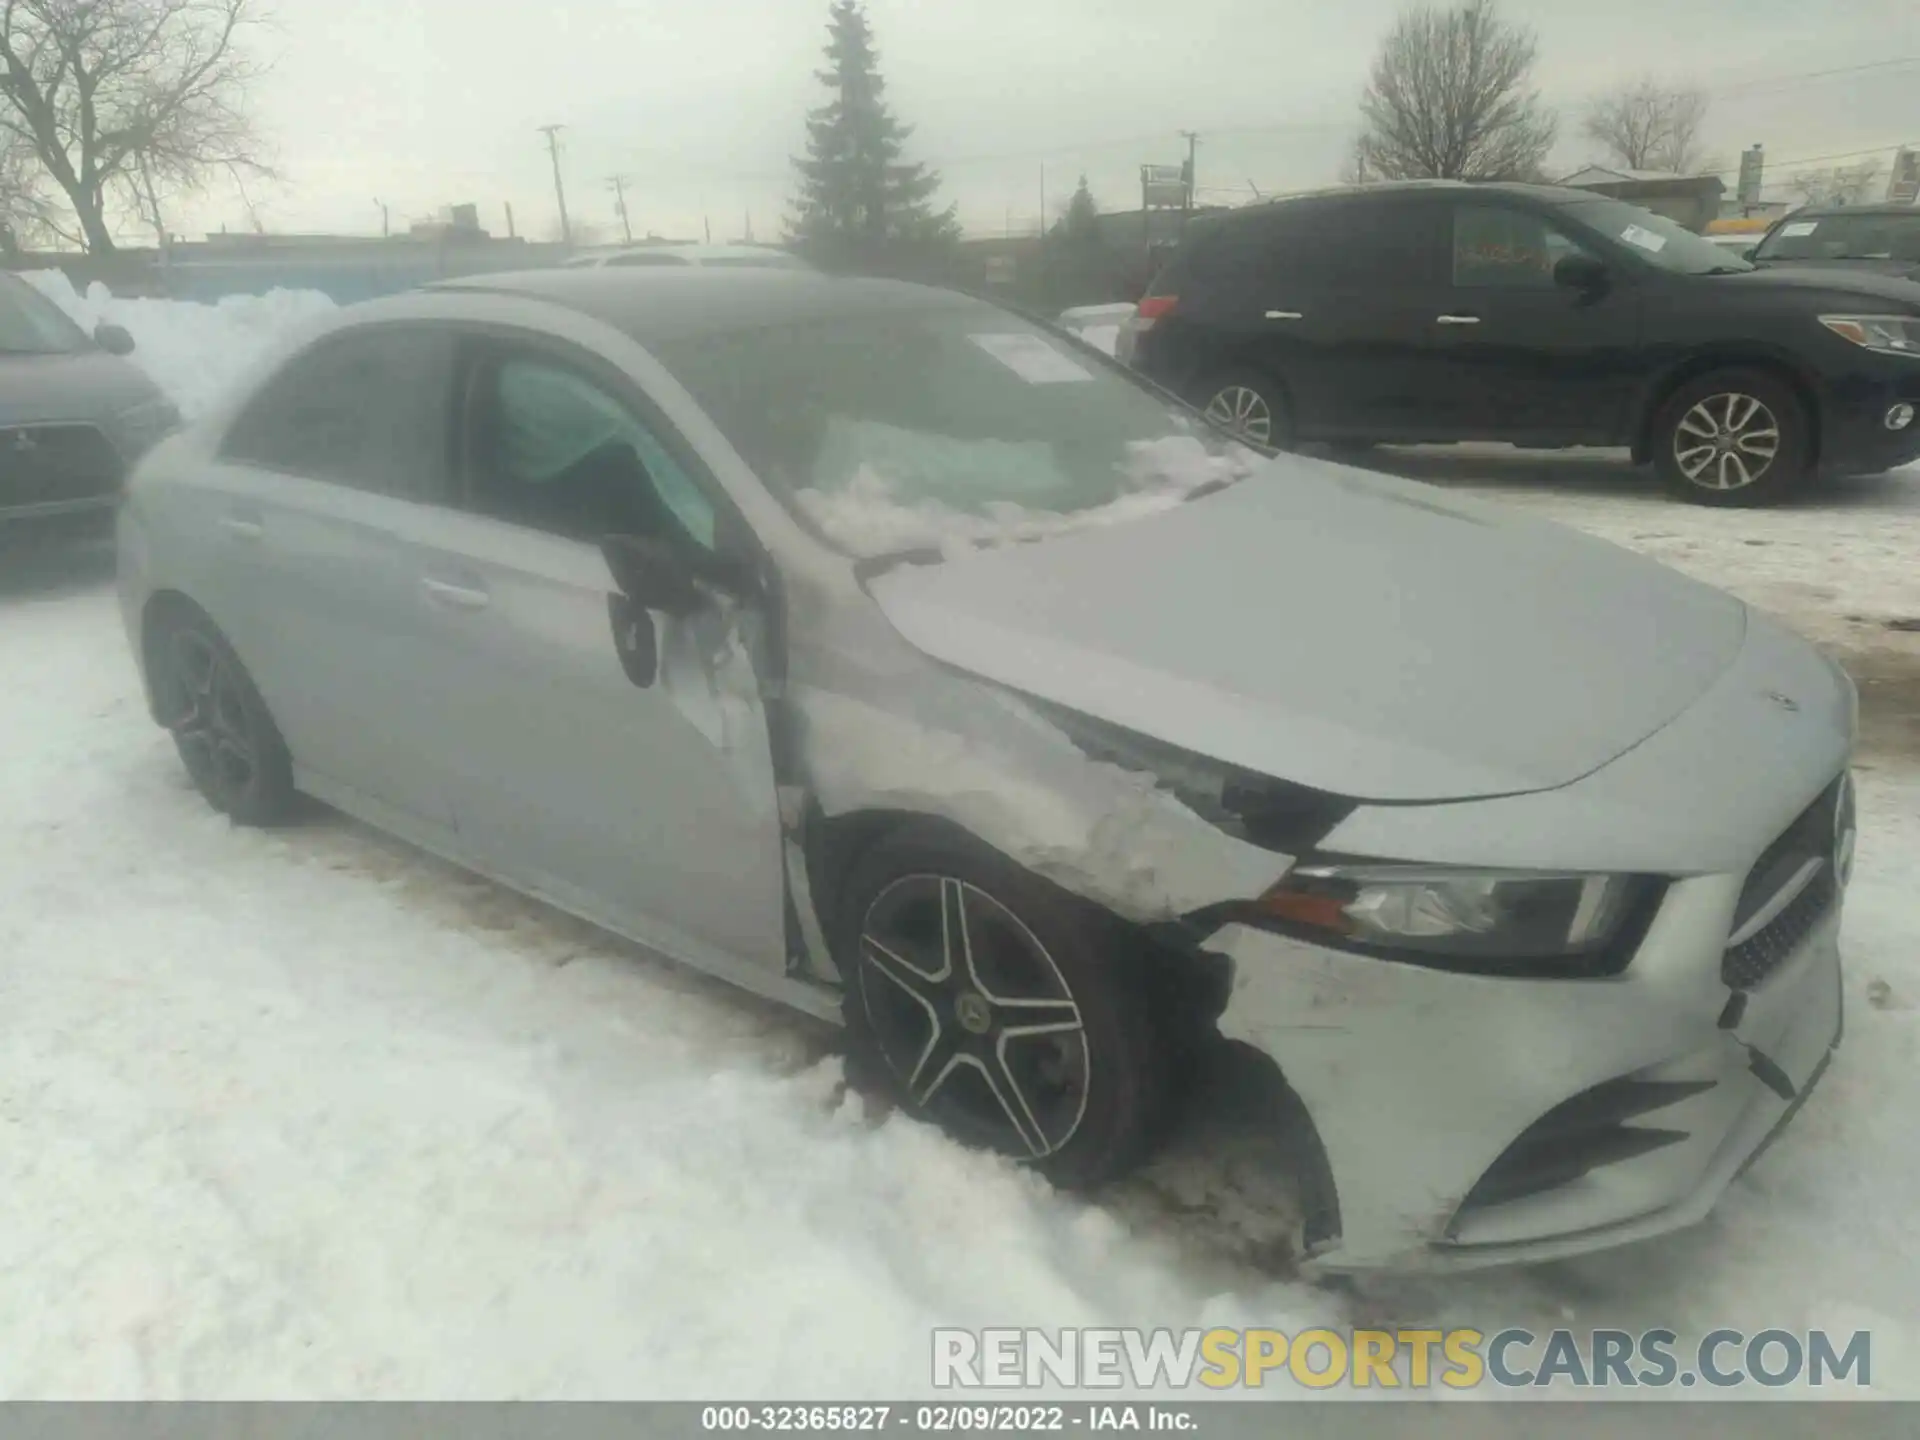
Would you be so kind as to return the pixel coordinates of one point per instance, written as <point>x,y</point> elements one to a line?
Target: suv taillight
<point>1154,307</point>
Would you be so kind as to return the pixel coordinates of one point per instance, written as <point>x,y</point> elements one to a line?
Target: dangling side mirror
<point>651,574</point>
<point>114,339</point>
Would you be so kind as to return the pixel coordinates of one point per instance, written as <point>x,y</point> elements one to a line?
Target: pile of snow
<point>892,496</point>
<point>192,351</point>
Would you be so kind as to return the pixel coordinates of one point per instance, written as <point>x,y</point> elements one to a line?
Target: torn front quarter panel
<point>942,745</point>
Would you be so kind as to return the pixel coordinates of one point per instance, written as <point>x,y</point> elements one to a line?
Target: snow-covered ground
<point>307,1114</point>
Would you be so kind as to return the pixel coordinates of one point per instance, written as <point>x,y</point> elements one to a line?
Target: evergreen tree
<point>1080,225</point>
<point>860,205</point>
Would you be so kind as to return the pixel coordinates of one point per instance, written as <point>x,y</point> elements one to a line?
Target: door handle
<point>243,527</point>
<point>1458,319</point>
<point>1284,315</point>
<point>454,597</point>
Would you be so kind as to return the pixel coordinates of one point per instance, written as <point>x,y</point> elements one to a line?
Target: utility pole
<point>619,184</point>
<point>1193,147</point>
<point>511,233</point>
<point>552,132</point>
<point>386,230</point>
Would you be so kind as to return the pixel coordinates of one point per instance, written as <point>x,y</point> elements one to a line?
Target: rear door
<point>643,800</point>
<point>324,482</point>
<point>1528,359</point>
<point>1335,298</point>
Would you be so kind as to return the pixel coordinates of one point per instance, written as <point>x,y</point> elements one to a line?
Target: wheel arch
<point>1735,357</point>
<point>835,845</point>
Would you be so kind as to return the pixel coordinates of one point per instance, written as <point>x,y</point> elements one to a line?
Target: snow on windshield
<point>890,503</point>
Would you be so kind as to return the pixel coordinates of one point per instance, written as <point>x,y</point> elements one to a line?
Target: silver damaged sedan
<point>908,662</point>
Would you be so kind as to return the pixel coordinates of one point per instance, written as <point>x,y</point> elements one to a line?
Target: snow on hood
<point>871,514</point>
<point>193,352</point>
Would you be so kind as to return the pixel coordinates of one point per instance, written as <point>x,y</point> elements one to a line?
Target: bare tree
<point>123,100</point>
<point>1649,126</point>
<point>1448,99</point>
<point>1841,185</point>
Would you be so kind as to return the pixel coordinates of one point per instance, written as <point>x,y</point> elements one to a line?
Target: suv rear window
<point>1336,245</point>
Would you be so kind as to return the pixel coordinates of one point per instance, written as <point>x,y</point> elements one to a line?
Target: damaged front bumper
<point>1469,1121</point>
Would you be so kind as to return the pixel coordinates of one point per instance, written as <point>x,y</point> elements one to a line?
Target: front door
<point>1529,360</point>
<point>631,782</point>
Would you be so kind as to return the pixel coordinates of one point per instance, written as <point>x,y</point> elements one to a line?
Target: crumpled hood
<point>1371,637</point>
<point>87,385</point>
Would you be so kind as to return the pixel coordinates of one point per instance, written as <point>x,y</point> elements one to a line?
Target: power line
<point>1782,81</point>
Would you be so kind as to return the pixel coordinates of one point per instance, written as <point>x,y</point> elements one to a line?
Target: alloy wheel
<point>210,720</point>
<point>1244,411</point>
<point>1727,441</point>
<point>974,1016</point>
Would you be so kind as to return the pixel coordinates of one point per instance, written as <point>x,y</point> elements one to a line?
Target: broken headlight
<point>1263,811</point>
<point>1494,921</point>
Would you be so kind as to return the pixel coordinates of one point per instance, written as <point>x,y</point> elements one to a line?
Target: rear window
<point>1335,245</point>
<point>1845,237</point>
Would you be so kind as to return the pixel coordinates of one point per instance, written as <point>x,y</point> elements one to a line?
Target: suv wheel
<point>1249,405</point>
<point>1008,1013</point>
<point>1734,437</point>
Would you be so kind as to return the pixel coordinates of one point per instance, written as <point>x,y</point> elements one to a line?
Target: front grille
<point>1580,1135</point>
<point>49,464</point>
<point>1810,841</point>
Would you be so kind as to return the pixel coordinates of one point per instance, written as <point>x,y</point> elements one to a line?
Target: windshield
<point>1845,237</point>
<point>31,324</point>
<point>945,427</point>
<point>1654,238</point>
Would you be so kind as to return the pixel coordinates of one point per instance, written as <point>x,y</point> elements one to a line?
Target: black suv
<point>1440,311</point>
<point>1881,238</point>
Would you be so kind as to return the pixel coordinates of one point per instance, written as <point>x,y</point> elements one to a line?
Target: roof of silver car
<point>676,302</point>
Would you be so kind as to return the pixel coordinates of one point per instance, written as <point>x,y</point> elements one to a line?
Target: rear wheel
<point>232,749</point>
<point>1250,405</point>
<point>989,1003</point>
<point>1733,437</point>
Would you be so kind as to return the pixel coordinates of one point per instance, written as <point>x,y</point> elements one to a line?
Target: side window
<point>552,449</point>
<point>1360,247</point>
<point>367,409</point>
<point>1494,247</point>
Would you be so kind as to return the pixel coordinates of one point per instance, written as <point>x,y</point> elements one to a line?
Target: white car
<point>895,658</point>
<point>723,257</point>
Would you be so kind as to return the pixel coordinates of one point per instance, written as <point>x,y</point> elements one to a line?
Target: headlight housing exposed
<point>1489,921</point>
<point>1888,334</point>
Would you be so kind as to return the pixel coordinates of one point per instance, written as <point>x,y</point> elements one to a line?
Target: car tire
<point>1733,438</point>
<point>1249,404</point>
<point>233,751</point>
<point>986,1001</point>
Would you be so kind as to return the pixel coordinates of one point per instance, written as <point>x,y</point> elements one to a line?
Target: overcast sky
<point>425,103</point>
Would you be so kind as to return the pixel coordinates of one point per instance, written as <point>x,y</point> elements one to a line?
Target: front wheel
<point>1013,1016</point>
<point>1733,437</point>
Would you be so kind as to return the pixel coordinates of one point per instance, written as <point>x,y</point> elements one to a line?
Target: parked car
<point>73,413</point>
<point>725,257</point>
<point>1879,239</point>
<point>1540,316</point>
<point>1503,865</point>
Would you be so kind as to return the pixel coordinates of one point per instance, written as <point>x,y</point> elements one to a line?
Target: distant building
<point>1690,200</point>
